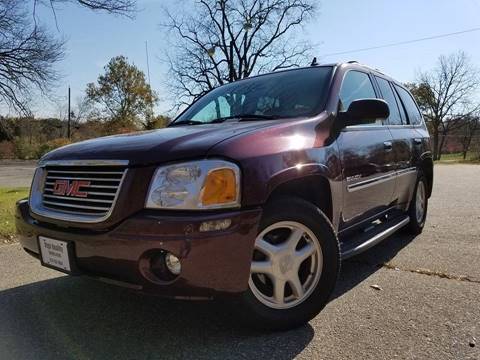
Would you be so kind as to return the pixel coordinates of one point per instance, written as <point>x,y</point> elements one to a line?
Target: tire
<point>287,218</point>
<point>417,221</point>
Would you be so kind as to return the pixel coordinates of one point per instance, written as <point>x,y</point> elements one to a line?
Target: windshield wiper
<point>246,117</point>
<point>240,117</point>
<point>186,122</point>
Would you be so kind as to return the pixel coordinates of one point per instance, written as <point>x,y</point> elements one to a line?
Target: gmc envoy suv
<point>258,190</point>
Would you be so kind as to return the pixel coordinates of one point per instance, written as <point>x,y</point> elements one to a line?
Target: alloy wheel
<point>286,266</point>
<point>420,202</point>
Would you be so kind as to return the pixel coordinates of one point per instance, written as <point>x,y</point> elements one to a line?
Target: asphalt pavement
<point>16,173</point>
<point>424,303</point>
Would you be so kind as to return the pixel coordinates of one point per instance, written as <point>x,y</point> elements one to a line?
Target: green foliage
<point>157,122</point>
<point>35,137</point>
<point>423,94</point>
<point>51,145</point>
<point>25,150</point>
<point>8,197</point>
<point>122,94</point>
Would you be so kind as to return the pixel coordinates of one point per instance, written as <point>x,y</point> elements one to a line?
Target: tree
<point>121,7</point>
<point>123,94</point>
<point>470,129</point>
<point>27,55</point>
<point>220,41</point>
<point>445,96</point>
<point>157,122</point>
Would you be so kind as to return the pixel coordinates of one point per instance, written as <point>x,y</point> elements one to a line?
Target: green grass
<point>454,158</point>
<point>8,197</point>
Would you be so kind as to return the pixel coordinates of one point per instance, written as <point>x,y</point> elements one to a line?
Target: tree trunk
<point>440,145</point>
<point>435,144</point>
<point>466,146</point>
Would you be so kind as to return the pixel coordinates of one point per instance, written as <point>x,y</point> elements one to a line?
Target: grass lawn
<point>458,158</point>
<point>8,197</point>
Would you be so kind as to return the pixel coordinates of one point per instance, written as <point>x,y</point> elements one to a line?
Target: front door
<point>366,153</point>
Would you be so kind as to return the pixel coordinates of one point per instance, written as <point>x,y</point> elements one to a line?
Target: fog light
<point>173,264</point>
<point>215,225</point>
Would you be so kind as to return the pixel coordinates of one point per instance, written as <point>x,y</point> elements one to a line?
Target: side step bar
<point>371,238</point>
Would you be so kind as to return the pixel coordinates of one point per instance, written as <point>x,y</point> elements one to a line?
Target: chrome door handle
<point>387,145</point>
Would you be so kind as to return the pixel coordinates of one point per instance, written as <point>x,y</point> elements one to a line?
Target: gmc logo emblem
<point>70,188</point>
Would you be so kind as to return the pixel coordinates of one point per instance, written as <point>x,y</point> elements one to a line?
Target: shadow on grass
<point>78,318</point>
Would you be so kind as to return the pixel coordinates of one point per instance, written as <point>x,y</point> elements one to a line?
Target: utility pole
<point>148,115</point>
<point>69,116</point>
<point>148,65</point>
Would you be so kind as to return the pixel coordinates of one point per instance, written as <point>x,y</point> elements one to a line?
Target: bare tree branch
<point>27,56</point>
<point>445,96</point>
<point>220,41</point>
<point>119,7</point>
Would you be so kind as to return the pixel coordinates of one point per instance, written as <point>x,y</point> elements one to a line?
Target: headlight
<point>204,184</point>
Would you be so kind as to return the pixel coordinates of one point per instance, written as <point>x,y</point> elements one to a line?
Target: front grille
<point>87,191</point>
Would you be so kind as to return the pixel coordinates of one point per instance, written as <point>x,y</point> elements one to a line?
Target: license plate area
<point>57,254</point>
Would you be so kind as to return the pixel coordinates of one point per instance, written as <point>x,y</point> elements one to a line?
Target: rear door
<point>406,140</point>
<point>366,155</point>
<point>411,141</point>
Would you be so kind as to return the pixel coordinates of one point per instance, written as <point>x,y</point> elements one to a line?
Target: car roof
<point>350,64</point>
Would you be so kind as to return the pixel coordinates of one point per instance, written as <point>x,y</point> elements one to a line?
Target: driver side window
<point>356,85</point>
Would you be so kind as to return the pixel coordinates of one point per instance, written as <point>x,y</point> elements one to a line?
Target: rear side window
<point>403,114</point>
<point>356,85</point>
<point>414,115</point>
<point>389,97</point>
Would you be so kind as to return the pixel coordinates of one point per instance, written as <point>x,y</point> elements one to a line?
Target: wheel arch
<point>314,188</point>
<point>426,165</point>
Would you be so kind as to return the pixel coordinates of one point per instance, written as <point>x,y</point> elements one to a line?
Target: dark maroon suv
<point>259,189</point>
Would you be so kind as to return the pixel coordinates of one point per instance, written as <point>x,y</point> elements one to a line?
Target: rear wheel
<point>418,207</point>
<point>294,266</point>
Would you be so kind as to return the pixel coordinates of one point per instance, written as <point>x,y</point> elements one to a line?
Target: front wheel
<point>294,266</point>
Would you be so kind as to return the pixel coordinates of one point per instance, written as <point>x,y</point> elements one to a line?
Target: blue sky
<point>341,25</point>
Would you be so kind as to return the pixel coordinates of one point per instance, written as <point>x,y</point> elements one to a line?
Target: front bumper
<point>212,262</point>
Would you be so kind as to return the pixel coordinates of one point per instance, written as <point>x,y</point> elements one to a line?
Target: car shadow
<point>74,317</point>
<point>358,268</point>
<point>79,318</point>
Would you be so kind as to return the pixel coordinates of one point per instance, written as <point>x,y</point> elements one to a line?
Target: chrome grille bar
<point>81,178</point>
<point>76,206</point>
<point>76,172</point>
<point>92,186</point>
<point>83,192</point>
<point>76,199</point>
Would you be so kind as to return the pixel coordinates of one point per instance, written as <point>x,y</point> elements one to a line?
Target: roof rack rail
<point>369,67</point>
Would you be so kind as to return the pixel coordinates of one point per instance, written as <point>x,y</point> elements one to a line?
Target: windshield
<point>296,93</point>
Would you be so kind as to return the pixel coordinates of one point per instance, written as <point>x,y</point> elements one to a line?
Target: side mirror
<point>365,111</point>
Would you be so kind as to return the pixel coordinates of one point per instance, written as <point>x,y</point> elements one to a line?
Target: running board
<point>371,238</point>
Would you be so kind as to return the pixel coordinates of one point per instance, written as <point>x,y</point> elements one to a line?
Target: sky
<point>340,25</point>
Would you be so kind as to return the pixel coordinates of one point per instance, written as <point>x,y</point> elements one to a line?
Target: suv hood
<point>151,147</point>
